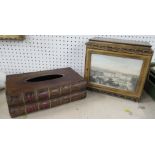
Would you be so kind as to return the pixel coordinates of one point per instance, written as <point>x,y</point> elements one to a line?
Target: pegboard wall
<point>43,52</point>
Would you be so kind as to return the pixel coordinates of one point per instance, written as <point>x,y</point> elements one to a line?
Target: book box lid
<point>17,83</point>
<point>118,45</point>
<point>120,41</point>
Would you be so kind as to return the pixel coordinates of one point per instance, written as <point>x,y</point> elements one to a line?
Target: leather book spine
<point>29,108</point>
<point>45,94</point>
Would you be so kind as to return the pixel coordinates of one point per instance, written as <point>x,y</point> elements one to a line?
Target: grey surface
<point>96,105</point>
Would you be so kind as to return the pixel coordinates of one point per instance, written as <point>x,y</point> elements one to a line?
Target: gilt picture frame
<point>12,37</point>
<point>117,72</point>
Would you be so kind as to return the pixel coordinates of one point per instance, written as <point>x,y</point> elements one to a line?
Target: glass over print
<point>115,72</point>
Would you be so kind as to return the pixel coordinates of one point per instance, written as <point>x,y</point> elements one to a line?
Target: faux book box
<point>30,92</point>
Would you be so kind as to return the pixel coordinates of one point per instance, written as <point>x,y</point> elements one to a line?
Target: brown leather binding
<point>17,83</point>
<point>27,88</point>
<point>21,110</point>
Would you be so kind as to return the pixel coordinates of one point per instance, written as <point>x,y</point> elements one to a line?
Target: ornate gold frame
<point>12,37</point>
<point>127,94</point>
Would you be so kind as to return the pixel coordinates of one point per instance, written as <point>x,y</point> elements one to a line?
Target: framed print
<point>117,71</point>
<point>12,37</point>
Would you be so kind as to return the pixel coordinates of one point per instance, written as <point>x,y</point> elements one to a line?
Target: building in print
<point>113,79</point>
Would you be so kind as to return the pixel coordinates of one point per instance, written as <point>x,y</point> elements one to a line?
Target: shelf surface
<point>95,106</point>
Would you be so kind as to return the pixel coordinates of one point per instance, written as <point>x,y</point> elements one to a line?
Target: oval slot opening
<point>45,78</point>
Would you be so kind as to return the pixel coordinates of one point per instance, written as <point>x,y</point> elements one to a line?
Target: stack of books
<point>150,84</point>
<point>30,92</point>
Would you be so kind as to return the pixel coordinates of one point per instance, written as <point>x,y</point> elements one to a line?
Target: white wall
<point>43,52</point>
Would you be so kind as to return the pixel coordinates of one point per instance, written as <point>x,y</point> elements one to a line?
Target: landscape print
<point>115,72</point>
